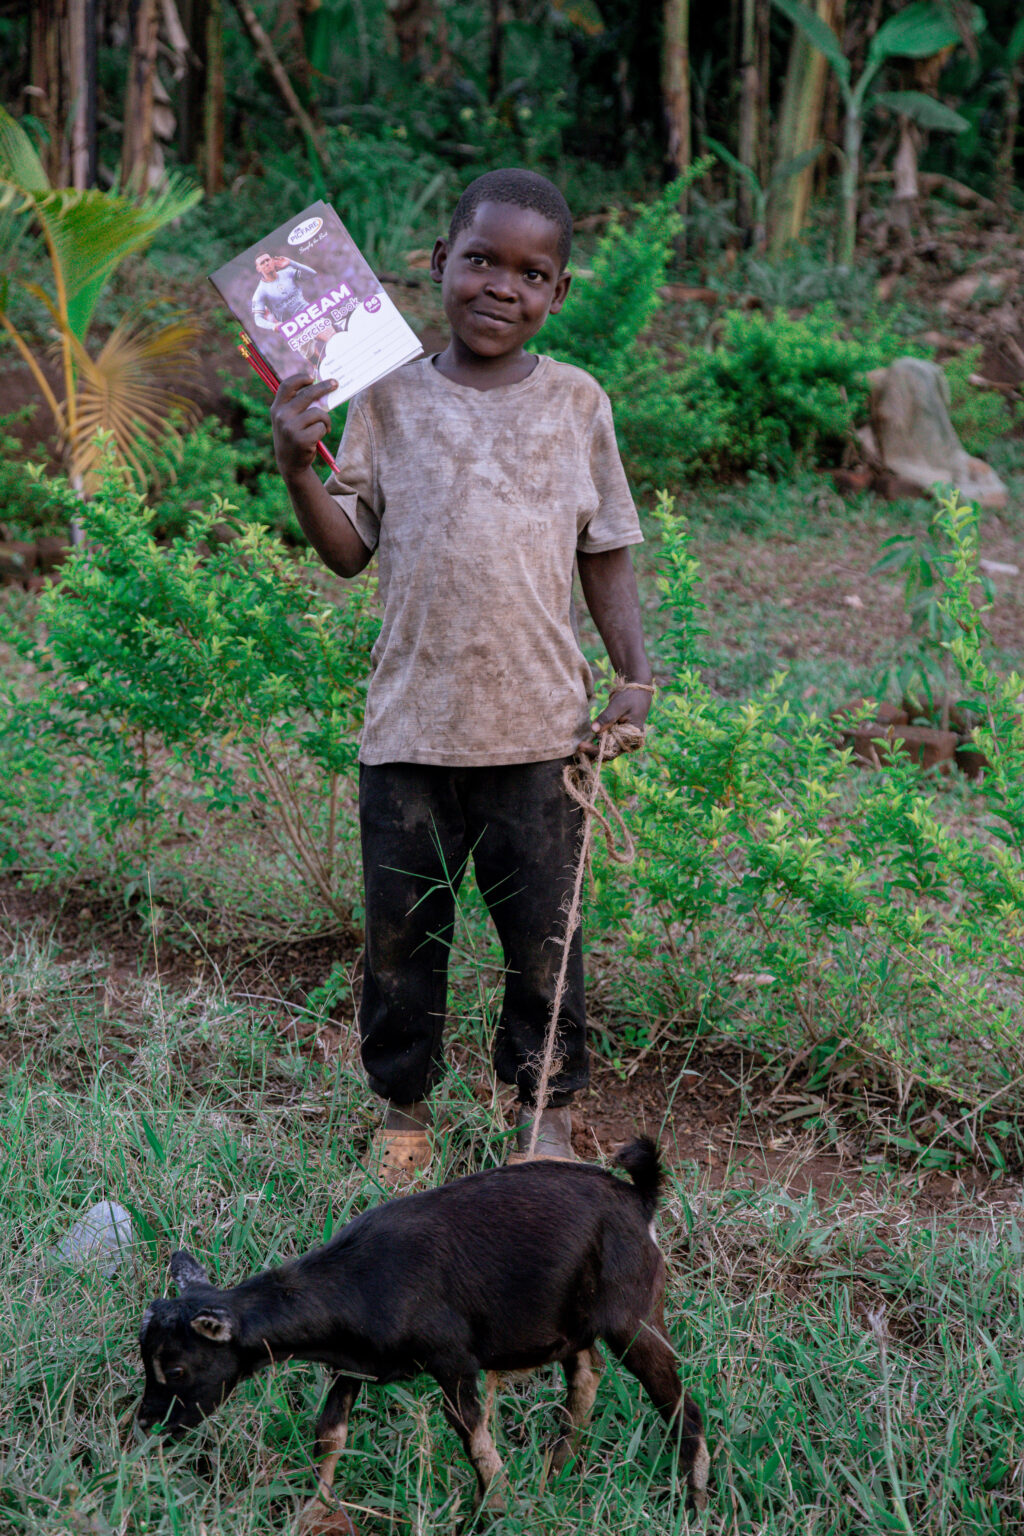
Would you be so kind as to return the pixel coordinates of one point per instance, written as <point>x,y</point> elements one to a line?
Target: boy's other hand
<point>627,706</point>
<point>299,420</point>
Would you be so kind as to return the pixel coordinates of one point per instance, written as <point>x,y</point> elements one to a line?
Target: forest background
<point>808,984</point>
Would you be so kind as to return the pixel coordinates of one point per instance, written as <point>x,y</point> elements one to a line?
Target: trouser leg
<point>525,832</point>
<point>414,848</point>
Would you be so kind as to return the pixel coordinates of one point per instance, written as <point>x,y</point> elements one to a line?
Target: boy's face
<point>500,278</point>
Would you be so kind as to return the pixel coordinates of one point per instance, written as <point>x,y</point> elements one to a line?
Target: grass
<point>861,1363</point>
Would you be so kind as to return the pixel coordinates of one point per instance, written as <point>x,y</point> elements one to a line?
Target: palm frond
<point>89,232</point>
<point>132,390</point>
<point>19,162</point>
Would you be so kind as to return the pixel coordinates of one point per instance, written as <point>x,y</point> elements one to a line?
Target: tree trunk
<point>191,91</point>
<point>905,186</point>
<point>675,86</point>
<point>496,50</point>
<point>411,22</point>
<point>850,183</point>
<point>137,140</point>
<point>1008,148</point>
<point>213,102</point>
<point>748,118</point>
<point>62,87</point>
<point>268,56</point>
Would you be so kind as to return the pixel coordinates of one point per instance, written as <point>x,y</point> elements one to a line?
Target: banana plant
<point>760,196</point>
<point>128,387</point>
<point>919,32</point>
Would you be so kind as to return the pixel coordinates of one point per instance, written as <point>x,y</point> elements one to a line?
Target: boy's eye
<point>476,260</point>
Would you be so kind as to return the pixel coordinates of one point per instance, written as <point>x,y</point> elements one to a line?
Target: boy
<point>482,475</point>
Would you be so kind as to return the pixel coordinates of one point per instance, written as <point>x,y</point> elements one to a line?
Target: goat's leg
<point>582,1375</point>
<point>652,1362</point>
<point>331,1435</point>
<point>463,1411</point>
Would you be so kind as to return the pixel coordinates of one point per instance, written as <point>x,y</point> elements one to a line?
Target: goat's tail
<point>641,1161</point>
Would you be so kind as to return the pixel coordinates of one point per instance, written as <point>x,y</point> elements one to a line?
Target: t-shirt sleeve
<point>615,522</point>
<point>355,487</point>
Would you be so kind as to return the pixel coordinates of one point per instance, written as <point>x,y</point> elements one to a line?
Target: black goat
<point>501,1271</point>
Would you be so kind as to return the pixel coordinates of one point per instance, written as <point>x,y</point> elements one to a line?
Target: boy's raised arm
<point>609,589</point>
<point>299,422</point>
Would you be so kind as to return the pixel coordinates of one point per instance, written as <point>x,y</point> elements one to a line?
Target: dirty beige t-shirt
<point>476,502</point>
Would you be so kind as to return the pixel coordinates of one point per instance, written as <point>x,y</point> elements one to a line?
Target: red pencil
<point>262,367</point>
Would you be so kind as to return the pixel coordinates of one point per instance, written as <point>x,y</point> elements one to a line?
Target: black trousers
<point>419,827</point>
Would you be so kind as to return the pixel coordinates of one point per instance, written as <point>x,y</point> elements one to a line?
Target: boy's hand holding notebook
<point>306,298</point>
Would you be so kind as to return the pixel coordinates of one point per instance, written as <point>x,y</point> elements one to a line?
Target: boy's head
<point>502,267</point>
<point>517,189</point>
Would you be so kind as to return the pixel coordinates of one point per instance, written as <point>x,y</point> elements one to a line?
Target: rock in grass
<point>103,1236</point>
<point>913,436</point>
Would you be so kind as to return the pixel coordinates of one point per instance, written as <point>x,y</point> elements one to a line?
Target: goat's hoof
<point>491,1504</point>
<point>697,1500</point>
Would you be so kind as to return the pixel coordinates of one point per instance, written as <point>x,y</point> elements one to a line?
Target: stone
<point>913,437</point>
<point>962,290</point>
<point>874,744</point>
<point>17,561</point>
<point>51,552</point>
<point>103,1236</point>
<point>970,759</point>
<point>882,713</point>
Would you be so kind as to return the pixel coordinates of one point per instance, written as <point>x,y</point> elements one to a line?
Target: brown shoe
<point>554,1134</point>
<point>403,1143</point>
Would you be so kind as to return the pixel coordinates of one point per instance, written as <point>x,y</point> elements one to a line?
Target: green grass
<point>861,1364</point>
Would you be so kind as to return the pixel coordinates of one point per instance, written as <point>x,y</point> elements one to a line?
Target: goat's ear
<point>214,1324</point>
<point>147,1318</point>
<point>186,1271</point>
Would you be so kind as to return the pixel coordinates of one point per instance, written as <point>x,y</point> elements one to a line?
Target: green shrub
<point>979,416</point>
<point>848,920</point>
<point>774,394</point>
<point>175,687</point>
<point>30,505</point>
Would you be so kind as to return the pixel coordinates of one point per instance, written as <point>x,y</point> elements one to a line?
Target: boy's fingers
<point>299,389</point>
<point>289,387</point>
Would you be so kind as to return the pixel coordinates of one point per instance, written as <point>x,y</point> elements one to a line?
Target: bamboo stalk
<point>800,126</point>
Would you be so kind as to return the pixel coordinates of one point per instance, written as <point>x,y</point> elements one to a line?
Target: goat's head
<point>189,1352</point>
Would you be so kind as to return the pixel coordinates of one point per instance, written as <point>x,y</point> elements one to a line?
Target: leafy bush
<point>979,416</point>
<point>30,506</point>
<point>845,920</point>
<point>776,392</point>
<point>178,686</point>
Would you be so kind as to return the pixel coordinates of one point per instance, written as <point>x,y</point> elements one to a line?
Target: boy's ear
<point>561,292</point>
<point>438,259</point>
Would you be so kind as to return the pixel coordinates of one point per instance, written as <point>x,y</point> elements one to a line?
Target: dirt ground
<point>713,1109</point>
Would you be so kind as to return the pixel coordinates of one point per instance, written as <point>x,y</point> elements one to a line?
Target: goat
<point>501,1271</point>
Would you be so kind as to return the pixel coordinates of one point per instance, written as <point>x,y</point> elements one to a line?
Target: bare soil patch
<point>710,1107</point>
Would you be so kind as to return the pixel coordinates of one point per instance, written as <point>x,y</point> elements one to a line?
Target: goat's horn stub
<point>186,1271</point>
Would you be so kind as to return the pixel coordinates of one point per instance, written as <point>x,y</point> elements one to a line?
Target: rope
<point>582,780</point>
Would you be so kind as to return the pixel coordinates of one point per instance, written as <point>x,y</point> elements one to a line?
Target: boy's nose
<point>501,286</point>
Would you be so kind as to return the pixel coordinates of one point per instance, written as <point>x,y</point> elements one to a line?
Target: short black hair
<point>524,189</point>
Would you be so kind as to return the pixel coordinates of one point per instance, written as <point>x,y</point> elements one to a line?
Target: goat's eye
<point>175,1373</point>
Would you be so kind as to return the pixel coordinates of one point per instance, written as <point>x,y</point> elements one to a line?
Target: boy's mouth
<point>486,314</point>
